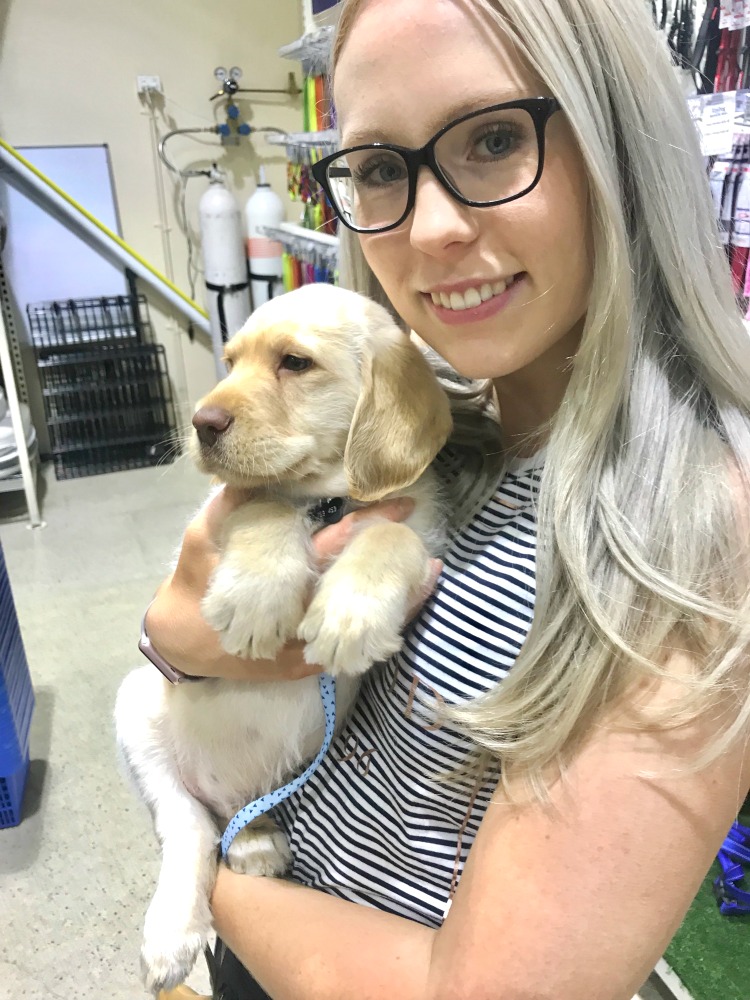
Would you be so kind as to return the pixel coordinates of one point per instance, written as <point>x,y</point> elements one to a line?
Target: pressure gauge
<point>235,73</point>
<point>220,73</point>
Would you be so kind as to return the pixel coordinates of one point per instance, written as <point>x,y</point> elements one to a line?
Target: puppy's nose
<point>210,422</point>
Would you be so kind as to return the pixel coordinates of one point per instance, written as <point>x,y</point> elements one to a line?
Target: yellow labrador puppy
<point>327,406</point>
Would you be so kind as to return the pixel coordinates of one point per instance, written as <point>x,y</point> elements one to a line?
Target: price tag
<point>714,116</point>
<point>742,114</point>
<point>735,14</point>
<point>741,221</point>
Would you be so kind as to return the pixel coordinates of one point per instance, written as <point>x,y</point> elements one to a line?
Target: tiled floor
<point>76,875</point>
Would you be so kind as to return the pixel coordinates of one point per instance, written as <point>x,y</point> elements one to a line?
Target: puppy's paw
<point>170,947</point>
<point>259,852</point>
<point>254,615</point>
<point>347,629</point>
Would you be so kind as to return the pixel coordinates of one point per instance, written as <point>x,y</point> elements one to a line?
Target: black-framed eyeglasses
<point>485,158</point>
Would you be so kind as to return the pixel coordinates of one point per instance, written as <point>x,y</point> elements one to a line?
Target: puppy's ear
<point>401,422</point>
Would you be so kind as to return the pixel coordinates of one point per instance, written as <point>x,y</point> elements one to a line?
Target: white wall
<point>68,76</point>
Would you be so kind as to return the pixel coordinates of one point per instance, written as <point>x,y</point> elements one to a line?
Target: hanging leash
<point>736,848</point>
<point>266,802</point>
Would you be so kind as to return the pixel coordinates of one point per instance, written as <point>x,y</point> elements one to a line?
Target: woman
<point>562,252</point>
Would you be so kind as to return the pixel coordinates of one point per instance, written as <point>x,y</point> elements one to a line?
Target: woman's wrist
<point>151,652</point>
<point>176,638</point>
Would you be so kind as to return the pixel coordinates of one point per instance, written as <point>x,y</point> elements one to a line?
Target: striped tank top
<point>373,825</point>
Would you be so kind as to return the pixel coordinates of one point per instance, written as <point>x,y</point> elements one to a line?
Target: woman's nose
<point>438,220</point>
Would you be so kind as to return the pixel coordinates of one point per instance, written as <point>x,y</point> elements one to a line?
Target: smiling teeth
<point>471,298</point>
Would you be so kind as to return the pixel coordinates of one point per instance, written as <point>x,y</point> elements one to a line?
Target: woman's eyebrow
<point>367,133</point>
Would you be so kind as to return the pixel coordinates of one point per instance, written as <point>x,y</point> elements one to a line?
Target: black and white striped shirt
<point>373,825</point>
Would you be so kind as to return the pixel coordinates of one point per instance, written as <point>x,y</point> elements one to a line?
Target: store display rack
<point>105,386</point>
<point>325,141</point>
<point>16,390</point>
<point>83,322</point>
<point>302,241</point>
<point>312,50</point>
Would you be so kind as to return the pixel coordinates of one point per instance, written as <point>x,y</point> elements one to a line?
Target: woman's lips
<point>474,314</point>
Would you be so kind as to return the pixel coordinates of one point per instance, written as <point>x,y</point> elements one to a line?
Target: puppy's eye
<point>294,364</point>
<point>227,363</point>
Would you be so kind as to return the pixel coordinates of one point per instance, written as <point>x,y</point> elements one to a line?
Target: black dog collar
<point>328,511</point>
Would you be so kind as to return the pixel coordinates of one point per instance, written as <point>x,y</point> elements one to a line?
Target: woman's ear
<point>401,422</point>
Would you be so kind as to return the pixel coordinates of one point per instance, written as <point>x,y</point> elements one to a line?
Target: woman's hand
<point>174,621</point>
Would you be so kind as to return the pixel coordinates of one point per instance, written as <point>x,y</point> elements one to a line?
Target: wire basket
<point>114,319</point>
<point>108,409</point>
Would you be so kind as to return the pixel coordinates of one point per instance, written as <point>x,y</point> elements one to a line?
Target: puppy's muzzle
<point>210,423</point>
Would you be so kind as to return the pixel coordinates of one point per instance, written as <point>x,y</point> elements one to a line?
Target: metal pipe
<point>24,176</point>
<point>183,131</point>
<point>291,90</point>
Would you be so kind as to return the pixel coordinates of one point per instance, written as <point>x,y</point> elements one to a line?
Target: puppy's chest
<point>232,745</point>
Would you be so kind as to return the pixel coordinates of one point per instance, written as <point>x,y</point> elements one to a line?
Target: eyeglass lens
<point>487,158</point>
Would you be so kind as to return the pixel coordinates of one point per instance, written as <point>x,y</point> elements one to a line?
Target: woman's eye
<point>497,143</point>
<point>380,172</point>
<point>293,363</point>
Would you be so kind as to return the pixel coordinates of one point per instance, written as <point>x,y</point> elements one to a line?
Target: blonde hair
<point>640,544</point>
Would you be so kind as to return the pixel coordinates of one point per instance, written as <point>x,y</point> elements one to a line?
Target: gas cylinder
<point>264,208</point>
<point>224,263</point>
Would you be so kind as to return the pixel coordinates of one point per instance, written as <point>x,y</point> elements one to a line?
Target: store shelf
<point>312,50</point>
<point>13,484</point>
<point>288,230</point>
<point>327,140</point>
<point>27,478</point>
<point>304,242</point>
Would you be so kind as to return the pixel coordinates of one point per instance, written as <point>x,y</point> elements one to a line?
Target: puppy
<point>325,398</point>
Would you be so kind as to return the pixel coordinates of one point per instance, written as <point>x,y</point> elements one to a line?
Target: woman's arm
<point>301,944</point>
<point>577,898</point>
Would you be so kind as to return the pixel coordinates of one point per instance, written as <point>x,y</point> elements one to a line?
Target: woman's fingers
<point>330,542</point>
<point>210,519</point>
<point>177,627</point>
<point>199,552</point>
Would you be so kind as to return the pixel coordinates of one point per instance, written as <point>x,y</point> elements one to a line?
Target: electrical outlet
<point>149,83</point>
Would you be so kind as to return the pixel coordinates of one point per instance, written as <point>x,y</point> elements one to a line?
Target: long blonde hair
<point>640,542</point>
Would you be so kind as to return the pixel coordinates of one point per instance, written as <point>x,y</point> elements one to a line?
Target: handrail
<point>31,181</point>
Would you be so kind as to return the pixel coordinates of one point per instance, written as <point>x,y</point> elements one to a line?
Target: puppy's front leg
<point>257,595</point>
<point>178,920</point>
<point>359,609</point>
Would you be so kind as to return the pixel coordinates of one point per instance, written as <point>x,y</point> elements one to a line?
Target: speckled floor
<point>76,875</point>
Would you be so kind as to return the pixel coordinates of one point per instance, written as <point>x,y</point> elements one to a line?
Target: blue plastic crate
<point>16,707</point>
<point>11,795</point>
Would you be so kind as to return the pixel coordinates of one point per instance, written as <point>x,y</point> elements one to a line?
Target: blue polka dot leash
<point>266,802</point>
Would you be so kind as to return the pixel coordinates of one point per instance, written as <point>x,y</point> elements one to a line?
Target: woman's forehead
<point>408,67</point>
